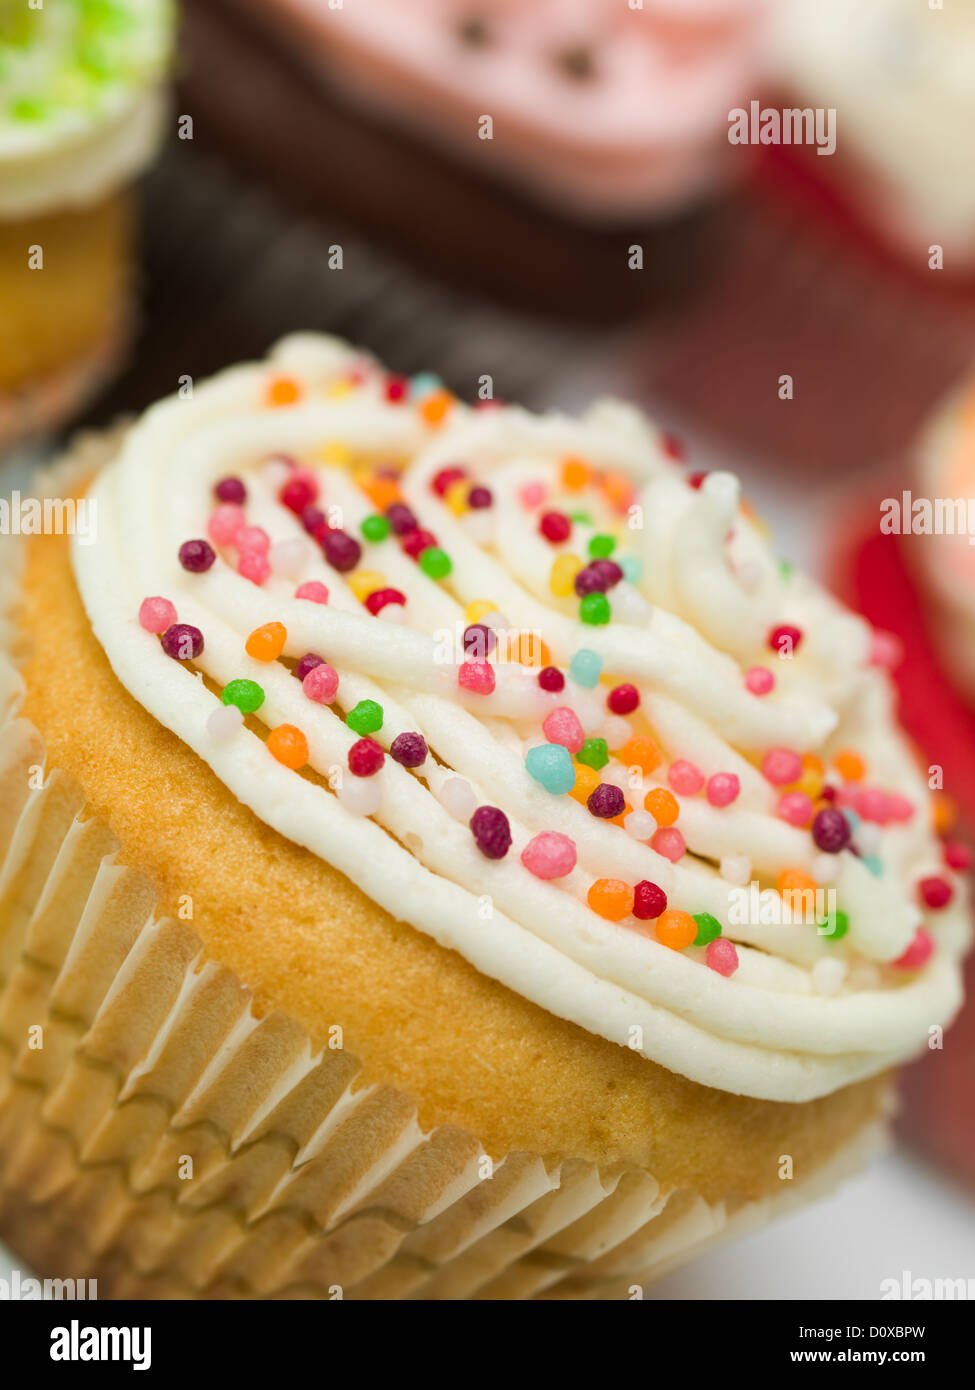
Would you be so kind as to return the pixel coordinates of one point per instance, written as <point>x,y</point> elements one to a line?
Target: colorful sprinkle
<point>224,723</point>
<point>623,699</point>
<point>669,843</point>
<point>610,898</point>
<point>409,749</point>
<point>594,753</point>
<point>342,551</point>
<point>601,547</point>
<point>226,523</point>
<point>587,780</point>
<point>781,766</point>
<point>835,925</point>
<point>550,678</point>
<point>936,892</point>
<point>562,726</point>
<point>586,667</point>
<point>551,765</point>
<point>379,599</point>
<point>722,956</point>
<point>736,868</point>
<point>662,805</point>
<point>283,390</point>
<point>549,855</point>
<point>401,519</point>
<point>606,802</point>
<point>830,830</point>
<point>595,610</point>
<point>491,831</point>
<point>230,489</point>
<point>254,566</point>
<point>196,556</point>
<point>575,474</point>
<point>266,643</point>
<point>415,542</point>
<point>156,614</point>
<point>435,563</point>
<point>477,677</point>
<point>182,642</point>
<point>361,796</point>
<point>759,680</point>
<point>321,684</point>
<point>676,928</point>
<point>784,640</point>
<point>299,492</point>
<point>246,695</point>
<point>796,808</point>
<point>958,856</point>
<point>724,788</point>
<point>375,528</point>
<point>366,757</point>
<point>313,591</point>
<point>479,498</point>
<point>639,825</point>
<point>458,799</point>
<point>253,538</point>
<point>366,717</point>
<point>563,574</point>
<point>685,778</point>
<point>555,527</point>
<point>649,900</point>
<point>640,752</point>
<point>288,745</point>
<point>708,928</point>
<point>850,765</point>
<point>918,953</point>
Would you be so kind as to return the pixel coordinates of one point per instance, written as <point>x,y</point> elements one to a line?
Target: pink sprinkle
<point>780,766</point>
<point>759,680</point>
<point>886,649</point>
<point>156,614</point>
<point>685,777</point>
<point>668,842</point>
<point>796,808</point>
<point>253,538</point>
<point>917,953</point>
<point>311,589</point>
<point>254,566</point>
<point>549,855</point>
<point>723,788</point>
<point>532,495</point>
<point>321,684</point>
<point>476,676</point>
<point>958,856</point>
<point>901,808</point>
<point>722,956</point>
<point>936,892</point>
<point>225,523</point>
<point>873,804</point>
<point>562,726</point>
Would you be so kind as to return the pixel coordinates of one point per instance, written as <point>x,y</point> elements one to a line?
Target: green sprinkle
<point>246,695</point>
<point>834,925</point>
<point>594,609</point>
<point>435,562</point>
<point>375,527</point>
<point>601,547</point>
<point>708,928</point>
<point>366,717</point>
<point>581,518</point>
<point>29,109</point>
<point>786,569</point>
<point>594,753</point>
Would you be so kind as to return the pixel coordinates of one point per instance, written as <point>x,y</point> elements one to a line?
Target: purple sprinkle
<point>311,518</point>
<point>409,749</point>
<point>341,550</point>
<point>307,663</point>
<point>589,580</point>
<point>606,801</point>
<point>609,571</point>
<point>196,556</point>
<point>401,518</point>
<point>479,642</point>
<point>231,490</point>
<point>479,497</point>
<point>182,641</point>
<point>831,830</point>
<point>491,831</point>
<point>551,678</point>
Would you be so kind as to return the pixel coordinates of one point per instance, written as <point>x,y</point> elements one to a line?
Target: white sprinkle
<point>457,797</point>
<point>828,975</point>
<point>275,473</point>
<point>224,723</point>
<point>394,613</point>
<point>825,868</point>
<point>361,795</point>
<point>869,838</point>
<point>640,825</point>
<point>628,604</point>
<point>288,557</point>
<point>737,869</point>
<point>495,619</point>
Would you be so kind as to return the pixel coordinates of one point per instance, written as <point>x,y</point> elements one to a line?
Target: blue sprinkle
<point>874,863</point>
<point>632,567</point>
<point>586,667</point>
<point>551,765</point>
<point>853,818</point>
<point>424,384</point>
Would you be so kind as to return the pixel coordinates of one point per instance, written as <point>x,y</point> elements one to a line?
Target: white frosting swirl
<point>683,635</point>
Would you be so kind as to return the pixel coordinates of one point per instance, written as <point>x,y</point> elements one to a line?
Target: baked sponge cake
<point>82,108</point>
<point>446,855</point>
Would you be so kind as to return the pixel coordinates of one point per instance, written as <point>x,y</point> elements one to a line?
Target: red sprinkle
<point>648,900</point>
<point>936,892</point>
<point>785,637</point>
<point>695,480</point>
<point>623,699</point>
<point>379,598</point>
<point>366,757</point>
<point>917,953</point>
<point>418,541</point>
<point>551,678</point>
<point>396,389</point>
<point>441,481</point>
<point>555,527</point>
<point>958,856</point>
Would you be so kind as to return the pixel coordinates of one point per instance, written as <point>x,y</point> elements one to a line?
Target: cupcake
<point>81,113</point>
<point>899,76</point>
<point>445,855</point>
<point>474,138</point>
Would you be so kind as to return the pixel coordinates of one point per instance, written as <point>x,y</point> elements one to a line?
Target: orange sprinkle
<point>662,805</point>
<point>944,812</point>
<point>434,408</point>
<point>618,820</point>
<point>675,928</point>
<point>813,764</point>
<point>267,643</point>
<point>288,745</point>
<point>795,881</point>
<point>611,898</point>
<point>617,489</point>
<point>283,390</point>
<point>587,780</point>
<point>850,765</point>
<point>640,752</point>
<point>382,492</point>
<point>575,474</point>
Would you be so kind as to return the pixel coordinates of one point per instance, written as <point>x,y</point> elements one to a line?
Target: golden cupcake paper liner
<point>160,1136</point>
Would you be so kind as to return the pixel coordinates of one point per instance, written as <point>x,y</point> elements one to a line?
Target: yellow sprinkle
<point>334,451</point>
<point>363,582</point>
<point>811,783</point>
<point>562,579</point>
<point>456,496</point>
<point>340,387</point>
<point>476,610</point>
